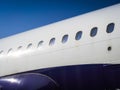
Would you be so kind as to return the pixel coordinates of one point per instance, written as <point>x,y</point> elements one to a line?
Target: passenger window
<point>65,38</point>
<point>110,27</point>
<point>19,47</point>
<point>40,44</point>
<point>10,50</point>
<point>78,35</point>
<point>52,42</point>
<point>93,32</point>
<point>29,46</point>
<point>1,51</point>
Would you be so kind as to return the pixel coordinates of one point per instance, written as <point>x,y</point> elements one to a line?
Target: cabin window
<point>78,35</point>
<point>1,51</point>
<point>65,38</point>
<point>110,27</point>
<point>109,48</point>
<point>93,32</point>
<point>40,44</point>
<point>29,46</point>
<point>10,50</point>
<point>20,47</point>
<point>52,42</point>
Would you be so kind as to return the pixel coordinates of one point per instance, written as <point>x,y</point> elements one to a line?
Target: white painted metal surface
<point>87,50</point>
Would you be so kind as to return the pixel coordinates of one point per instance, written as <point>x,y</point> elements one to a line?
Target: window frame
<point>52,41</point>
<point>29,45</point>
<point>93,31</point>
<point>10,50</point>
<point>110,27</point>
<point>65,38</point>
<point>1,52</point>
<point>78,35</point>
<point>40,43</point>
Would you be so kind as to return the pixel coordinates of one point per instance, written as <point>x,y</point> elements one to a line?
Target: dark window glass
<point>1,51</point>
<point>65,39</point>
<point>78,35</point>
<point>40,43</point>
<point>93,32</point>
<point>29,46</point>
<point>10,50</point>
<point>52,42</point>
<point>19,47</point>
<point>110,27</point>
<point>109,48</point>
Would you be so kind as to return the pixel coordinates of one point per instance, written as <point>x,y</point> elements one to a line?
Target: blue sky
<point>21,15</point>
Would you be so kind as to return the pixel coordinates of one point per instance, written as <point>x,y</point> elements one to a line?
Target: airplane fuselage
<point>79,53</point>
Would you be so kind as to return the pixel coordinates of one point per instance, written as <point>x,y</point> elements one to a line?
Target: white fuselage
<point>20,53</point>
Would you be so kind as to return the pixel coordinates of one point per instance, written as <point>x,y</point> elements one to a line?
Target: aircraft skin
<point>80,53</point>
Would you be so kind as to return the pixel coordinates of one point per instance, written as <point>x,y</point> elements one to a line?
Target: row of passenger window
<point>93,33</point>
